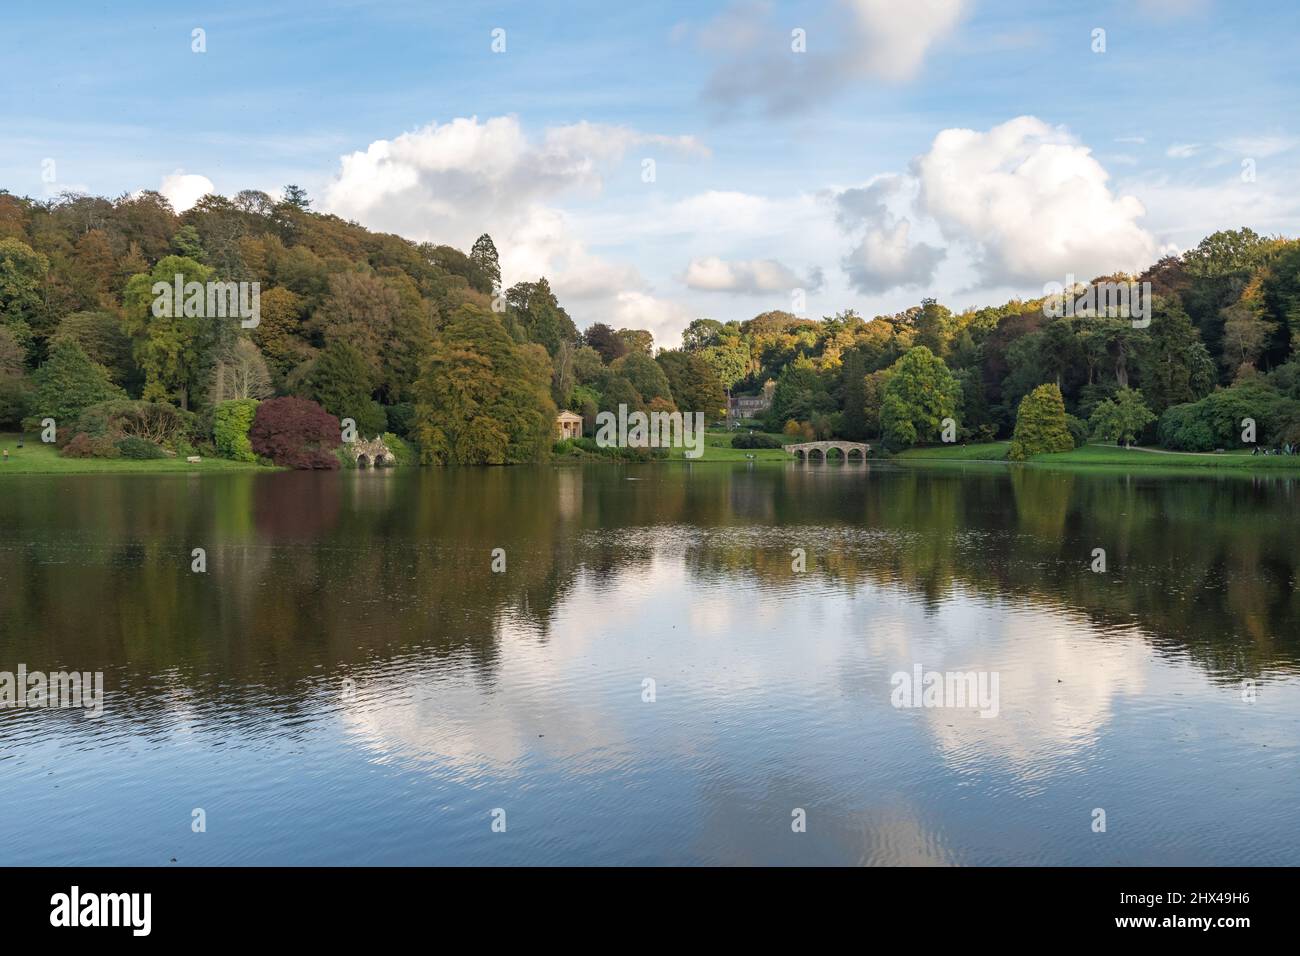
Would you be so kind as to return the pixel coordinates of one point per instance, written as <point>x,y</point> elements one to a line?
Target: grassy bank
<point>717,447</point>
<point>988,451</point>
<point>37,458</point>
<point>1111,456</point>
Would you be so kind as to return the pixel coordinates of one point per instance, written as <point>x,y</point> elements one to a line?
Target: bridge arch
<point>821,450</point>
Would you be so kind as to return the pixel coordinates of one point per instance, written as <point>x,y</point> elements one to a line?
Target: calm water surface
<point>350,683</point>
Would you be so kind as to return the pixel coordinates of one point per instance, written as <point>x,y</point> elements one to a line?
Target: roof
<point>568,416</point>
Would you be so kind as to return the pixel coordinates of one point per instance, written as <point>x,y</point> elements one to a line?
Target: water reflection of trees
<point>1207,567</point>
<point>314,576</point>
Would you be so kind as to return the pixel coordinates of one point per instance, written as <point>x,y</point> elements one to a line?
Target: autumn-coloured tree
<point>295,433</point>
<point>360,310</point>
<point>483,400</point>
<point>1041,425</point>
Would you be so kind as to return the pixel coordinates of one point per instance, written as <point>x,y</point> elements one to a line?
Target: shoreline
<point>36,459</point>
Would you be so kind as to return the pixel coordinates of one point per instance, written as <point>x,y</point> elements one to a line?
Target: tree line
<point>1220,347</point>
<point>422,344</point>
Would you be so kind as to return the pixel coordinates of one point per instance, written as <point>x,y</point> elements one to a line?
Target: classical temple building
<point>569,424</point>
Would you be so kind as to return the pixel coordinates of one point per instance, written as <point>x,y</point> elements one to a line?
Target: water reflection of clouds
<point>1060,679</point>
<point>769,699</point>
<point>732,646</point>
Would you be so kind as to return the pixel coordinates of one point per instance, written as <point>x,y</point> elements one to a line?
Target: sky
<point>670,161</point>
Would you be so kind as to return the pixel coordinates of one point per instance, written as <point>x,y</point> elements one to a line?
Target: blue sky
<point>827,170</point>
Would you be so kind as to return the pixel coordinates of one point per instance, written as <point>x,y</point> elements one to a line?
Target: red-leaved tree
<point>295,433</point>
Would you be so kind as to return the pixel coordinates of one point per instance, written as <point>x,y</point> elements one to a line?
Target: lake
<point>650,679</point>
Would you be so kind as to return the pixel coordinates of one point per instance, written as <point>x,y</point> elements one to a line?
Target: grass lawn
<point>1110,456</point>
<point>36,458</point>
<point>986,451</point>
<point>1139,458</point>
<point>717,447</point>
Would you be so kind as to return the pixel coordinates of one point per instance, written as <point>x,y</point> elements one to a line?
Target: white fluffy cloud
<point>885,257</point>
<point>450,182</point>
<point>752,277</point>
<point>663,318</point>
<point>1031,203</point>
<point>424,183</point>
<point>183,189</point>
<point>861,40</point>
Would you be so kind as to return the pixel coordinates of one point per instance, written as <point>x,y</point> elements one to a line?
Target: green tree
<point>695,386</point>
<point>23,273</point>
<point>853,392</point>
<point>1041,425</point>
<point>538,313</point>
<point>1225,252</point>
<point>482,398</point>
<point>69,382</point>
<point>701,334</point>
<point>15,395</point>
<point>729,360</point>
<point>175,350</point>
<point>100,334</point>
<point>920,394</point>
<point>1176,367</point>
<point>934,325</point>
<point>801,392</point>
<point>645,374</point>
<point>187,243</point>
<point>617,390</point>
<point>230,424</point>
<point>296,197</point>
<point>485,259</point>
<point>588,369</point>
<point>340,383</point>
<point>1122,418</point>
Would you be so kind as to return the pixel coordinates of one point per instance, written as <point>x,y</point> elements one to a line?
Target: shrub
<point>1041,425</point>
<point>155,422</point>
<point>585,447</point>
<point>1078,430</point>
<point>403,453</point>
<point>1182,427</point>
<point>1216,420</point>
<point>755,440</point>
<point>370,418</point>
<point>82,445</point>
<point>139,449</point>
<point>231,421</point>
<point>295,433</point>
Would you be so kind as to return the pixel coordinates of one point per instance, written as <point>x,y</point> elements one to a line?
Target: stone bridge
<point>813,450</point>
<point>371,454</point>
